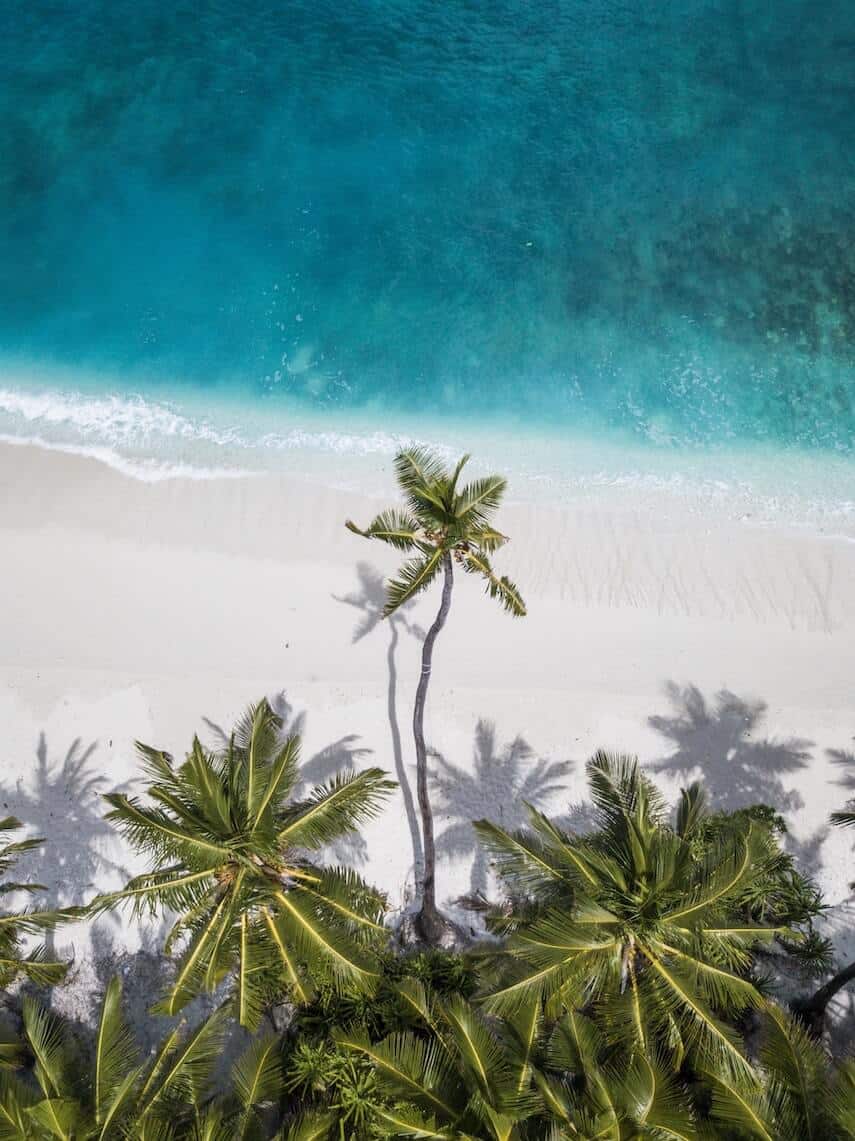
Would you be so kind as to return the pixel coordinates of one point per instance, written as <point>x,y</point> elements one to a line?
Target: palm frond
<point>411,1068</point>
<point>399,529</point>
<point>336,808</point>
<point>480,499</point>
<point>413,577</point>
<point>46,1038</point>
<point>115,1053</point>
<point>502,589</point>
<point>740,1106</point>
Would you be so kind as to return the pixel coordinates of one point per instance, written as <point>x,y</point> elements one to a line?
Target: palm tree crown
<point>442,521</point>
<point>229,840</point>
<point>636,920</point>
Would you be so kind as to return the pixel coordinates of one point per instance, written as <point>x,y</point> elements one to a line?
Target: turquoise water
<point>586,216</point>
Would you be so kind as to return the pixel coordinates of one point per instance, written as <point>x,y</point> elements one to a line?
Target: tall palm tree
<point>119,1094</point>
<point>15,927</point>
<point>229,843</point>
<point>635,921</point>
<point>442,525</point>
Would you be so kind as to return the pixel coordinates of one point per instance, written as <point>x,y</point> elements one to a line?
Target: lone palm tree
<point>443,525</point>
<point>229,845</point>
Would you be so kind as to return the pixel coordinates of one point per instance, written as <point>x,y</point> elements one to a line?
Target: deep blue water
<point>570,212</point>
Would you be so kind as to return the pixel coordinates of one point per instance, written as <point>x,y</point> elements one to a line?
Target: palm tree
<point>15,927</point>
<point>168,1095</point>
<point>637,921</point>
<point>442,525</point>
<point>229,847</point>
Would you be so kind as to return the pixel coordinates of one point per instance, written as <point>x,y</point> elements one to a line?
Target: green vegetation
<point>443,525</point>
<point>632,981</point>
<point>227,838</point>
<point>15,962</point>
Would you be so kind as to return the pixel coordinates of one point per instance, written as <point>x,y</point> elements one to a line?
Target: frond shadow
<point>719,742</point>
<point>62,802</point>
<point>496,787</point>
<point>844,759</point>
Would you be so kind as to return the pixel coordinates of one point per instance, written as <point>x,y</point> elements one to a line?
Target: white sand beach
<point>151,611</point>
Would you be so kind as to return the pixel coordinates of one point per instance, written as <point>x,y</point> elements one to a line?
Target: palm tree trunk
<point>398,752</point>
<point>812,1010</point>
<point>429,922</point>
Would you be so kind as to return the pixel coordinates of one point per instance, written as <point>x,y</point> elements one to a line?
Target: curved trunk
<point>812,1010</point>
<point>429,922</point>
<point>398,753</point>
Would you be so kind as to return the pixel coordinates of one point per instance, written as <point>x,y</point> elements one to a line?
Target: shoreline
<point>138,610</point>
<point>154,439</point>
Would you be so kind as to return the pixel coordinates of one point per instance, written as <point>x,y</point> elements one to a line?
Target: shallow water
<point>588,216</point>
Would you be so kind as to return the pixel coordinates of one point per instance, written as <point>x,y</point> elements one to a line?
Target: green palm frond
<point>256,1081</point>
<point>46,1038</point>
<point>229,845</point>
<point>691,809</point>
<point>414,576</point>
<point>310,1127</point>
<point>476,562</point>
<point>15,960</point>
<point>486,539</point>
<point>419,467</point>
<point>182,1067</point>
<point>115,1063</point>
<point>521,858</point>
<point>334,809</point>
<point>480,499</point>
<point>397,528</point>
<point>841,1101</point>
<point>800,1079</point>
<point>420,1072</point>
<point>741,1107</point>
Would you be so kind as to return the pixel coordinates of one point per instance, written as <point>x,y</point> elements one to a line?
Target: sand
<point>150,611</point>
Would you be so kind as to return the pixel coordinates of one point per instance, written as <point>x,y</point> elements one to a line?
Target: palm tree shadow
<point>496,787</point>
<point>369,599</point>
<point>845,759</point>
<point>63,804</point>
<point>738,767</point>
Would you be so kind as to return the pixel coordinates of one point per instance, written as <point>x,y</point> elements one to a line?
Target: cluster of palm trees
<point>624,986</point>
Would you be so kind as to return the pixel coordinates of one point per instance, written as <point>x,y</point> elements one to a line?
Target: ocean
<point>605,241</point>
